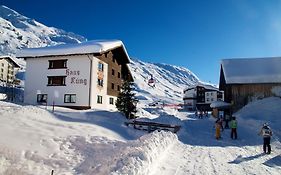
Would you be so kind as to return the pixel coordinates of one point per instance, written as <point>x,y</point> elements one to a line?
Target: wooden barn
<point>250,79</point>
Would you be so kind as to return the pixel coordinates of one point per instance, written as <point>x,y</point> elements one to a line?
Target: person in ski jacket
<point>233,126</point>
<point>266,133</point>
<point>218,129</point>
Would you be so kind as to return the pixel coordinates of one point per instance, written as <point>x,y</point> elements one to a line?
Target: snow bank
<point>266,110</point>
<point>143,155</point>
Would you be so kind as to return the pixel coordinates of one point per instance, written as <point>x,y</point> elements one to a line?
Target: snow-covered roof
<point>252,70</point>
<point>94,46</point>
<point>206,86</point>
<point>11,60</point>
<point>219,104</point>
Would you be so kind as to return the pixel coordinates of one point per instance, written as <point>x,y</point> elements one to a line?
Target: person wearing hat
<point>266,133</point>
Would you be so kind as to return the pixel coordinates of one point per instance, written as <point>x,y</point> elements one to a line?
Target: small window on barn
<point>57,64</point>
<point>70,98</point>
<point>56,80</point>
<point>42,98</point>
<point>100,67</point>
<point>99,99</point>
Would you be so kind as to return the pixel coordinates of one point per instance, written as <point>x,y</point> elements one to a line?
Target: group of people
<point>200,114</point>
<point>233,125</point>
<point>231,122</point>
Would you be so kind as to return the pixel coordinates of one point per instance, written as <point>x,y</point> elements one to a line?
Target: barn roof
<point>252,70</point>
<point>94,46</point>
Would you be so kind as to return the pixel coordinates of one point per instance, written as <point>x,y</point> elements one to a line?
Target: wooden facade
<point>239,94</point>
<point>117,70</point>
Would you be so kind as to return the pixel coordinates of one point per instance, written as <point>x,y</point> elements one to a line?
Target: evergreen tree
<point>126,101</point>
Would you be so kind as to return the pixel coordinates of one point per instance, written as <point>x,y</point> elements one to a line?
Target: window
<point>100,82</point>
<point>113,72</point>
<point>111,101</point>
<point>57,64</point>
<point>113,60</point>
<point>119,74</point>
<point>118,88</point>
<point>112,85</point>
<point>99,99</point>
<point>56,80</point>
<point>42,98</point>
<point>100,66</point>
<point>2,70</point>
<point>70,98</point>
<point>3,65</point>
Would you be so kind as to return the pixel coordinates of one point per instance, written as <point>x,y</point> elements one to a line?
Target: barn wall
<point>242,94</point>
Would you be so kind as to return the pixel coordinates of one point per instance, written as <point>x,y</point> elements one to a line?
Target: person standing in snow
<point>218,127</point>
<point>227,119</point>
<point>233,126</point>
<point>266,133</point>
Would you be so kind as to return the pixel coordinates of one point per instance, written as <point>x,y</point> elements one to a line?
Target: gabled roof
<point>9,58</point>
<point>88,47</point>
<point>206,86</point>
<point>252,70</point>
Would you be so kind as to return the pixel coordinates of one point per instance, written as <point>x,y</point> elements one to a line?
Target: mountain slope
<point>169,81</point>
<point>18,31</point>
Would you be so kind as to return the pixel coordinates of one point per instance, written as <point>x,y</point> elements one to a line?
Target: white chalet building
<point>201,96</point>
<point>82,76</point>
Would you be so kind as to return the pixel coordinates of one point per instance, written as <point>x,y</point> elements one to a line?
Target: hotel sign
<point>75,77</point>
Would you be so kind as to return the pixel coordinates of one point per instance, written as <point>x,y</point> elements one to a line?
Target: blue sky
<point>195,34</point>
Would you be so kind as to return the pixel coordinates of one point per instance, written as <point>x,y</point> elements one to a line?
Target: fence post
<point>52,172</point>
<point>53,106</point>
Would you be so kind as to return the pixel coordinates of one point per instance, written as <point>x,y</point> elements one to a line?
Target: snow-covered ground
<point>34,140</point>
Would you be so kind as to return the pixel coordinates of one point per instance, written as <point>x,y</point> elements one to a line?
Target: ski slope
<point>34,140</point>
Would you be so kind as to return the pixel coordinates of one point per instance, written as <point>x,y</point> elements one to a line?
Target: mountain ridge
<point>20,32</point>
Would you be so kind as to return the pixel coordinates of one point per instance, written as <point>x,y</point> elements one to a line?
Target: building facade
<point>200,97</point>
<point>8,69</point>
<point>82,76</point>
<point>248,79</point>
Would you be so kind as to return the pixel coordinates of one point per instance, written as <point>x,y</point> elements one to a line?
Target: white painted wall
<point>36,80</point>
<point>190,103</point>
<point>97,90</point>
<point>110,106</point>
<point>7,70</point>
<point>211,96</point>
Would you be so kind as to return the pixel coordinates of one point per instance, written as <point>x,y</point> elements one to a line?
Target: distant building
<point>200,97</point>
<point>82,76</point>
<point>8,69</point>
<point>246,80</point>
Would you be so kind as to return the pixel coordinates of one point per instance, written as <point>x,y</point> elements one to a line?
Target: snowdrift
<point>144,154</point>
<point>258,112</point>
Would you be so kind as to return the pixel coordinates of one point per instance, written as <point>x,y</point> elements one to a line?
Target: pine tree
<point>126,101</point>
